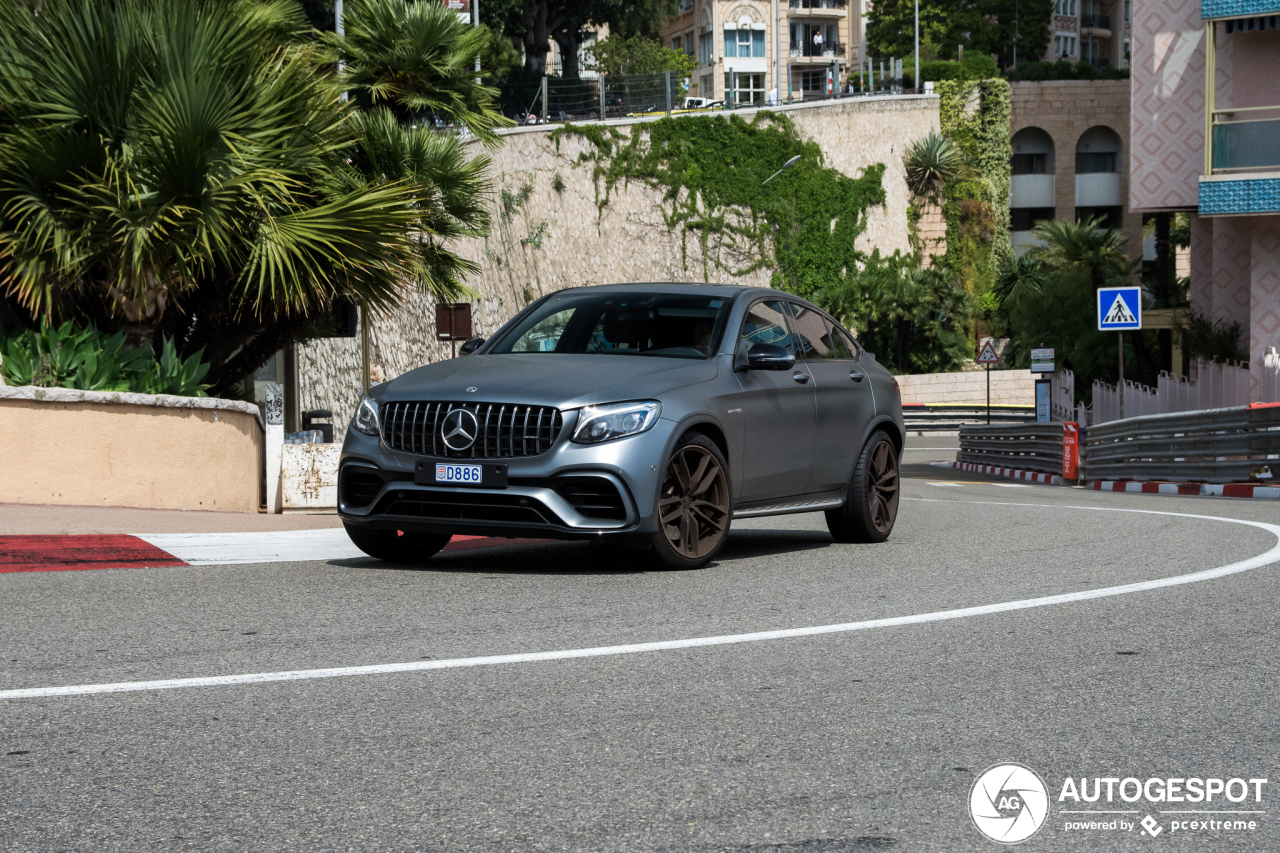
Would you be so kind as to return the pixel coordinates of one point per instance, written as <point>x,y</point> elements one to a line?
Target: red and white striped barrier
<point>1012,473</point>
<point>1203,490</point>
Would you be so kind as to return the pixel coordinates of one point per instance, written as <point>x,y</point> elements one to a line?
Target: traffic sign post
<point>987,356</point>
<point>1120,308</point>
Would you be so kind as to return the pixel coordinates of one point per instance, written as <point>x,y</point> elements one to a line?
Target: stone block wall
<point>557,237</point>
<point>1008,388</point>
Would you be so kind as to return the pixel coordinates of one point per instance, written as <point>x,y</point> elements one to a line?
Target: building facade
<point>1206,139</point>
<point>1093,31</point>
<point>736,42</point>
<point>1070,157</point>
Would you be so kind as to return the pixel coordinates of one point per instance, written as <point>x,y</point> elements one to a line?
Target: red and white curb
<point>1203,490</point>
<point>119,551</point>
<point>1012,473</point>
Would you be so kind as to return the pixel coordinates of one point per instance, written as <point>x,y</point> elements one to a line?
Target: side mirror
<point>471,346</point>
<point>770,357</point>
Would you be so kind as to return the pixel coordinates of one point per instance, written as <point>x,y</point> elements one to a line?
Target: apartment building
<point>1094,31</point>
<point>1205,126</point>
<point>1070,157</point>
<point>737,41</point>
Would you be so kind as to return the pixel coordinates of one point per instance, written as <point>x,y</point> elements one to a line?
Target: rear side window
<point>841,346</point>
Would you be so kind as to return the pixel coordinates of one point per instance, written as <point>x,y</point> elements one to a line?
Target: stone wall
<point>548,234</point>
<point>1008,388</point>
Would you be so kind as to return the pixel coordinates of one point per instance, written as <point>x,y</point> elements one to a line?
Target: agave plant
<point>186,169</point>
<point>931,162</point>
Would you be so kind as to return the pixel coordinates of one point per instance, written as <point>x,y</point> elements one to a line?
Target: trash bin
<point>309,422</point>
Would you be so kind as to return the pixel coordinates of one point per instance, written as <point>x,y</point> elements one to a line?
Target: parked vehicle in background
<point>654,413</point>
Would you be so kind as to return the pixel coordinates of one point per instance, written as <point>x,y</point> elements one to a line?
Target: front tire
<point>397,546</point>
<point>871,504</point>
<point>694,504</point>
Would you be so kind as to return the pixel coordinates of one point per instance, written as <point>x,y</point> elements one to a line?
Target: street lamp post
<point>785,166</point>
<point>916,81</point>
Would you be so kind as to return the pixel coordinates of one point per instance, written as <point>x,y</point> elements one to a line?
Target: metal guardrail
<point>921,418</point>
<point>1030,447</point>
<point>1215,446</point>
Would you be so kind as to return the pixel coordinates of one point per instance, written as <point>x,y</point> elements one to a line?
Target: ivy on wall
<point>712,169</point>
<point>975,115</point>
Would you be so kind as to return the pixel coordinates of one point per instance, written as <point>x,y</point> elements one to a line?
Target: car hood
<point>549,379</point>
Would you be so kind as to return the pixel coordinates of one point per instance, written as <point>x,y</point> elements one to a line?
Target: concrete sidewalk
<point>48,520</point>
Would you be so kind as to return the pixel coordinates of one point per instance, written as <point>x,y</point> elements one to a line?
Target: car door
<point>843,400</point>
<point>777,412</point>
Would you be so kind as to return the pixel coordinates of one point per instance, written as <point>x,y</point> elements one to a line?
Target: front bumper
<point>572,491</point>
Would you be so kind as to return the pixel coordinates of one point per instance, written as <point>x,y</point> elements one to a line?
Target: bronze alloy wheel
<point>871,503</point>
<point>693,505</point>
<point>881,487</point>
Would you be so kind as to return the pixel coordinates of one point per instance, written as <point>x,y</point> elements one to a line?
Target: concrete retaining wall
<point>1008,388</point>
<point>87,448</point>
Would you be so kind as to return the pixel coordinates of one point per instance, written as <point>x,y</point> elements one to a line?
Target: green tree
<point>191,169</point>
<point>417,60</point>
<point>981,26</point>
<point>637,55</point>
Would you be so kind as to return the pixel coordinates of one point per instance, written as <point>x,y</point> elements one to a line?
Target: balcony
<point>1098,189</point>
<point>1245,140</point>
<point>828,51</point>
<point>1032,191</point>
<point>1237,8</point>
<point>817,8</point>
<point>1095,22</point>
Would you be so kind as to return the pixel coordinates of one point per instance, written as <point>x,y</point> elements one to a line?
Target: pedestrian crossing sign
<point>1119,308</point>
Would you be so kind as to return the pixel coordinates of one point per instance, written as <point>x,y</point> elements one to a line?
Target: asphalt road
<point>856,740</point>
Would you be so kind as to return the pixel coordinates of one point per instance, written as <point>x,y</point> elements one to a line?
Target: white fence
<point>1212,385</point>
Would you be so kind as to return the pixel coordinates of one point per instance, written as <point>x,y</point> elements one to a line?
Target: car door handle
<point>800,377</point>
<point>856,376</point>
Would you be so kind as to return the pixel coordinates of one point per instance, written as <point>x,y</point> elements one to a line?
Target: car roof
<point>723,290</point>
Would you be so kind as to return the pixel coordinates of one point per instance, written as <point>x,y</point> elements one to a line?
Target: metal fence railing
<point>949,418</point>
<point>1030,447</point>
<point>1213,446</point>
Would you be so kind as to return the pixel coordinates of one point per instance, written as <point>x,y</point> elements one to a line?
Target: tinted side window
<point>765,324</point>
<point>811,328</point>
<point>839,344</point>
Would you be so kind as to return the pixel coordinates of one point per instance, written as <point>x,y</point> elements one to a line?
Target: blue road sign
<point>1119,309</point>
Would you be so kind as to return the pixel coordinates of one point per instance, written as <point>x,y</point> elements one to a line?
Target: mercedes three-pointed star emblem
<point>459,429</point>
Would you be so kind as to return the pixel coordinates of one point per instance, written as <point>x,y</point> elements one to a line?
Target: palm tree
<point>931,162</point>
<point>192,168</point>
<point>417,60</point>
<point>1084,247</point>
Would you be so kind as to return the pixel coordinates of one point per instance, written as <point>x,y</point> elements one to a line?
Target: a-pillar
<point>1264,323</point>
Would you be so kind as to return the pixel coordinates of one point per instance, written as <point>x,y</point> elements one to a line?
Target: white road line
<point>957,485</point>
<point>1265,559</point>
<point>284,546</point>
<point>1010,485</point>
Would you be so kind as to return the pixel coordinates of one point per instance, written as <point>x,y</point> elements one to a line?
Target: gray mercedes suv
<point>651,413</point>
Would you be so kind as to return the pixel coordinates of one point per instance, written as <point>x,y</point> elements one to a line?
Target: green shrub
<point>85,359</point>
<point>1064,70</point>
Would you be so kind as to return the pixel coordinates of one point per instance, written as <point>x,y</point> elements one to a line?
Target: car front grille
<point>592,497</point>
<point>504,431</point>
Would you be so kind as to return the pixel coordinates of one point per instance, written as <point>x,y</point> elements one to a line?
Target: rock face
<point>548,234</point>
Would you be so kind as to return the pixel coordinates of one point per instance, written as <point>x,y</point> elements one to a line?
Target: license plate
<point>469,474</point>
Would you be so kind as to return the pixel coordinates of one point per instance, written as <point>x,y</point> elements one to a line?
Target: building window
<point>1025,218</point>
<point>813,39</point>
<point>706,47</point>
<point>677,43</point>
<point>1065,44</point>
<point>1109,217</point>
<point>1128,10</point>
<point>688,42</point>
<point>744,44</point>
<point>813,82</point>
<point>706,89</point>
<point>1067,7</point>
<point>747,89</point>
<point>1030,164</point>
<point>1093,162</point>
<point>686,6</point>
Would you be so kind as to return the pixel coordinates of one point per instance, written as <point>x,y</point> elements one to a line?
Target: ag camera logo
<point>1009,803</point>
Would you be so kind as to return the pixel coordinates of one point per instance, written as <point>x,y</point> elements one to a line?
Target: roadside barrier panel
<point>939,418</point>
<point>1212,446</point>
<point>1030,447</point>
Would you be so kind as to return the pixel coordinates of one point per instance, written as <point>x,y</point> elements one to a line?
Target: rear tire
<point>871,503</point>
<point>694,504</point>
<point>397,546</point>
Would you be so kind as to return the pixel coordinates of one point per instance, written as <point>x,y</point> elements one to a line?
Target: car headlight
<point>366,419</point>
<point>604,423</point>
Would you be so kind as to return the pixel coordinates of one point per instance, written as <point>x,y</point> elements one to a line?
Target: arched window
<point>1098,151</point>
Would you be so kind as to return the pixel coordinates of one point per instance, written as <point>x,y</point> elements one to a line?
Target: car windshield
<point>668,325</point>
